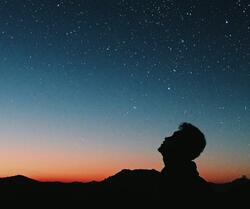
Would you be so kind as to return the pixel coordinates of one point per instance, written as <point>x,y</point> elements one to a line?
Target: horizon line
<point>65,181</point>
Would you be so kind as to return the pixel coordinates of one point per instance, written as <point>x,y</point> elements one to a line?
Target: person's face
<point>170,147</point>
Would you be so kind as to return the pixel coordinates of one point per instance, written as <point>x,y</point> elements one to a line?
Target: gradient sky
<point>90,87</point>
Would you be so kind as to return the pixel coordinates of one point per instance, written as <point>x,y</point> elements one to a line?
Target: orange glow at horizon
<point>95,163</point>
<point>69,164</point>
<point>89,173</point>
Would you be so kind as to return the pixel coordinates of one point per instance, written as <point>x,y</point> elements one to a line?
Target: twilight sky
<point>89,87</point>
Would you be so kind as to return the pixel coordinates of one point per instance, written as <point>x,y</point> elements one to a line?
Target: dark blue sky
<point>121,75</point>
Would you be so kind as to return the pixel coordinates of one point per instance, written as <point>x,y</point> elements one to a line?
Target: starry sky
<point>89,87</point>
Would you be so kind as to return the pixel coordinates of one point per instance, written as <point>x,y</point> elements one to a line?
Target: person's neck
<point>180,168</point>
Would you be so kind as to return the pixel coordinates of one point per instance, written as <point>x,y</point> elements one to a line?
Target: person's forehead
<point>174,135</point>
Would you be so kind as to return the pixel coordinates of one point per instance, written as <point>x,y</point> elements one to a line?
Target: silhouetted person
<point>179,178</point>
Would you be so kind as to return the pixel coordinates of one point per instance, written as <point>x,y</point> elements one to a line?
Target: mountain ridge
<point>132,186</point>
<point>124,173</point>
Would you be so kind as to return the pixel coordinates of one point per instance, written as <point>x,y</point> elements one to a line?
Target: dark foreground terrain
<point>126,189</point>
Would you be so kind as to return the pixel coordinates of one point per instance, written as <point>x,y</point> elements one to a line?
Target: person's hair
<point>193,140</point>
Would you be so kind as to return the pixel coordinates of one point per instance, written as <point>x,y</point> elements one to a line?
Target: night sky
<point>90,87</point>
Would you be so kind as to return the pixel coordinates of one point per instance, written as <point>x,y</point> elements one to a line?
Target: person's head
<point>185,144</point>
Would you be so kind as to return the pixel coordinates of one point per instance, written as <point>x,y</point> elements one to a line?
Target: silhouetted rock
<point>17,180</point>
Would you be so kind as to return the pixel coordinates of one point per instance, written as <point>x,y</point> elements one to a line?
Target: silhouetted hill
<point>127,187</point>
<point>132,178</point>
<point>241,181</point>
<point>229,186</point>
<point>17,180</point>
<point>240,187</point>
<point>135,185</point>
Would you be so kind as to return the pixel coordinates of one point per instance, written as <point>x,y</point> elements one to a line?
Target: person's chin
<point>160,149</point>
